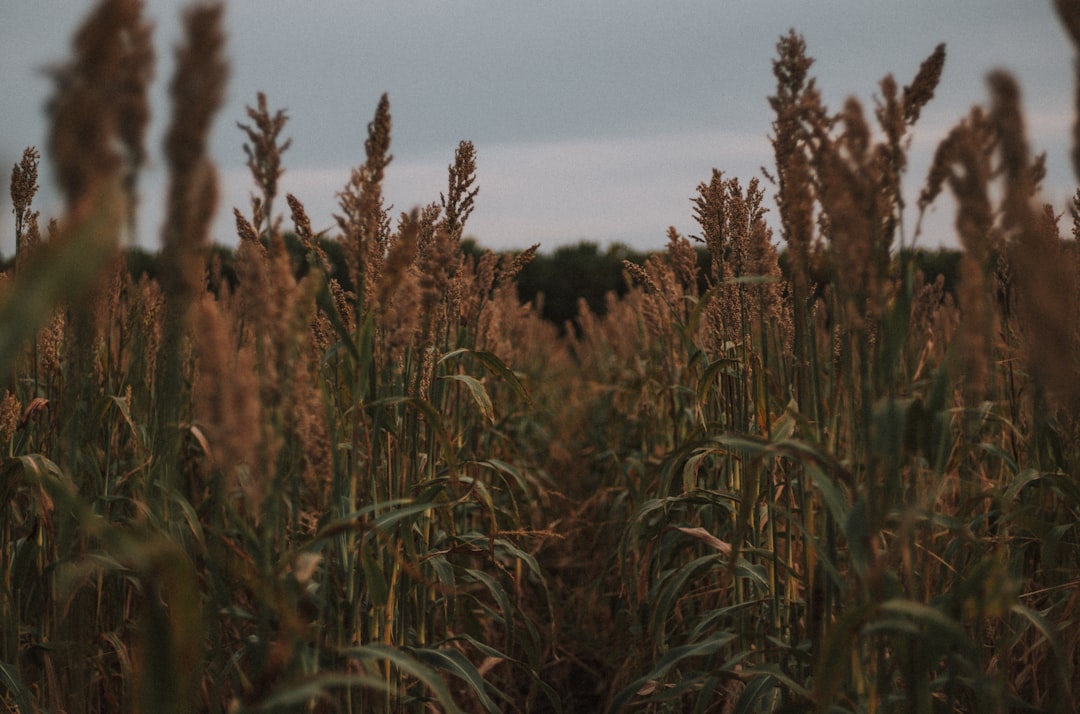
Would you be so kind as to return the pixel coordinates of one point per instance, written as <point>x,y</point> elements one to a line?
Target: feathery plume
<point>198,89</point>
<point>227,402</point>
<point>516,265</point>
<point>402,254</point>
<point>24,186</point>
<point>461,195</point>
<point>797,105</point>
<point>1069,14</point>
<point>263,151</point>
<point>919,93</point>
<point>100,104</point>
<point>10,415</point>
<point>710,207</point>
<point>133,102</point>
<point>683,259</point>
<point>1045,278</point>
<point>364,222</point>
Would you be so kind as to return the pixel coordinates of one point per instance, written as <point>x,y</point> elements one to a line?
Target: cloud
<point>592,121</point>
<point>626,189</point>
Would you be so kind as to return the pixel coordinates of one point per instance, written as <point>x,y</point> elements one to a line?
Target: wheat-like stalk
<point>354,471</point>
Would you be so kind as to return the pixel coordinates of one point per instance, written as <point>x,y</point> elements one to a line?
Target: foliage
<point>258,482</point>
<point>364,471</point>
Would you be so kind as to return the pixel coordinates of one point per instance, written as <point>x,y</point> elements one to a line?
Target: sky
<point>592,119</point>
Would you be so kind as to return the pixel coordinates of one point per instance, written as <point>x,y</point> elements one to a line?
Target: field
<point>798,476</point>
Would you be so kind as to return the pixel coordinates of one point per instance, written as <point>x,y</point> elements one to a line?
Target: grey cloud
<point>514,75</point>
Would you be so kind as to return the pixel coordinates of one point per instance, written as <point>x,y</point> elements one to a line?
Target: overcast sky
<point>593,119</point>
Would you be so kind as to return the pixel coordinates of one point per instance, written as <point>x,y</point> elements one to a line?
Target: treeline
<point>584,271</point>
<point>560,279</point>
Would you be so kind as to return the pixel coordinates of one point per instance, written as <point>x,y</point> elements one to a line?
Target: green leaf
<point>834,656</point>
<point>384,522</point>
<point>315,687</point>
<point>432,417</point>
<point>122,407</point>
<point>478,393</point>
<point>378,590</point>
<point>1022,479</point>
<point>496,366</point>
<point>712,371</point>
<point>9,677</point>
<point>857,532</point>
<point>833,492</point>
<point>754,692</point>
<point>491,652</point>
<point>672,589</point>
<point>1051,635</point>
<point>673,657</point>
<point>753,572</point>
<point>173,638</point>
<point>409,665</point>
<point>507,471</point>
<point>454,662</point>
<point>935,622</point>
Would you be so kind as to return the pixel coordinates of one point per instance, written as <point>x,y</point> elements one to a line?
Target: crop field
<point>784,470</point>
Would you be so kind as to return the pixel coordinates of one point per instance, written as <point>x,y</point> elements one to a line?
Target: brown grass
<point>805,479</point>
